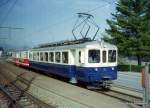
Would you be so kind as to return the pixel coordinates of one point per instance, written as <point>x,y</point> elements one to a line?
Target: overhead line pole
<point>9,32</point>
<point>9,28</point>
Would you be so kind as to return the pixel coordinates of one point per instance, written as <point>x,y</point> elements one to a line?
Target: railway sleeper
<point>101,85</point>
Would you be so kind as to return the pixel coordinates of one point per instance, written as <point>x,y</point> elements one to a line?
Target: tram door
<point>72,69</point>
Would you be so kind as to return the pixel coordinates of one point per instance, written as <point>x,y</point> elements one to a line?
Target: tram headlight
<point>96,69</point>
<point>112,68</point>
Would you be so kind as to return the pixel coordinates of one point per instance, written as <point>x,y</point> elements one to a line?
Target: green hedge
<point>134,68</point>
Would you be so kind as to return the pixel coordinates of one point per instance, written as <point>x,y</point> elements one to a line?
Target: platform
<point>61,94</point>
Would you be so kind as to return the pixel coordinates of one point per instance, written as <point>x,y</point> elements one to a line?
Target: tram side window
<point>79,56</point>
<point>94,56</point>
<point>30,55</point>
<point>51,57</point>
<point>57,57</point>
<point>23,55</point>
<point>36,56</point>
<point>112,56</point>
<point>64,57</point>
<point>26,54</point>
<point>45,56</point>
<point>41,56</point>
<point>104,56</point>
<point>19,54</point>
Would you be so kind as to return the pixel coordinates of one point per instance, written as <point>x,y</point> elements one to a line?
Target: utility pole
<point>9,31</point>
<point>145,85</point>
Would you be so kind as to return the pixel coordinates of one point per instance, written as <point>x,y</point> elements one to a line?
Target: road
<point>130,79</point>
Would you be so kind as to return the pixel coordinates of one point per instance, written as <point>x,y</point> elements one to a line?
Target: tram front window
<point>94,56</point>
<point>112,56</point>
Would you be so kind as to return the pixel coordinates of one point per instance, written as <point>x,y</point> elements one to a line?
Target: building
<point>1,51</point>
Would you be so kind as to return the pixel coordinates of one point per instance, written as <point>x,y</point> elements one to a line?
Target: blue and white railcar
<point>88,62</point>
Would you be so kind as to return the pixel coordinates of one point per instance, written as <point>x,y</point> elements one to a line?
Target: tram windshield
<point>112,56</point>
<point>94,56</point>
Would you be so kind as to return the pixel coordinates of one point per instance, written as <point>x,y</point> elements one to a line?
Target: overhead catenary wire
<point>66,20</point>
<point>8,12</point>
<point>101,6</point>
<point>52,25</point>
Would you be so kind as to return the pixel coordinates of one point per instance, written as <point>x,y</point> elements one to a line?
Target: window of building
<point>112,56</point>
<point>64,57</point>
<point>94,56</point>
<point>51,56</point>
<point>41,56</point>
<point>57,57</point>
<point>45,56</point>
<point>104,56</point>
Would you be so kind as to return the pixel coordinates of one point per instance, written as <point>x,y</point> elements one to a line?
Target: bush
<point>134,68</point>
<point>123,67</point>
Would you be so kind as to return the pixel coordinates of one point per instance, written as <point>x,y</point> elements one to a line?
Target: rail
<point>16,96</point>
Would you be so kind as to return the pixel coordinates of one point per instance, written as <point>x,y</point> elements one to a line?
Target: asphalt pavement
<point>130,79</point>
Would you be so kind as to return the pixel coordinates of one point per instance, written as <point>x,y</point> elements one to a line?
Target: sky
<point>43,21</point>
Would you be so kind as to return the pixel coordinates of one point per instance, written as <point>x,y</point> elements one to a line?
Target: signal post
<point>145,85</point>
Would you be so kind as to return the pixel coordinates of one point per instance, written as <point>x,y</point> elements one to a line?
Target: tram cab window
<point>104,56</point>
<point>64,57</point>
<point>94,56</point>
<point>112,56</point>
<point>57,57</point>
<point>41,56</point>
<point>51,56</point>
<point>45,56</point>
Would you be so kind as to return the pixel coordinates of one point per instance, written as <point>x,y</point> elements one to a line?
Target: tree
<point>130,28</point>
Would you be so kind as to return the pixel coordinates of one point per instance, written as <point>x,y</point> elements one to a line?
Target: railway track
<point>128,99</point>
<point>13,96</point>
